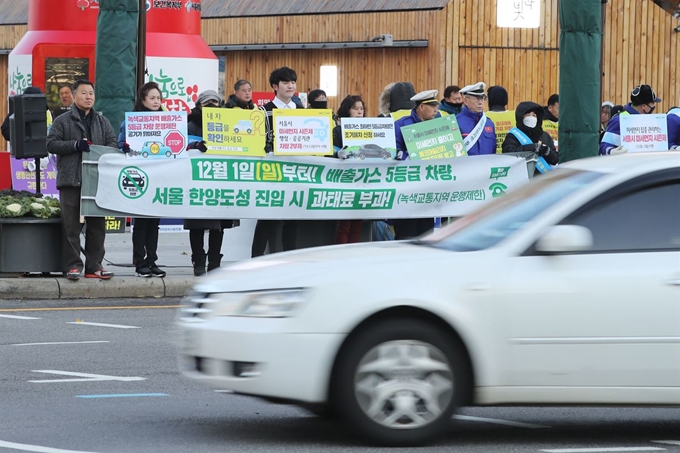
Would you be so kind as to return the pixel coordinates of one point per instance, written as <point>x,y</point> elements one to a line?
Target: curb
<point>90,288</point>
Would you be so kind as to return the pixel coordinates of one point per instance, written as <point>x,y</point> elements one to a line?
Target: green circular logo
<point>133,182</point>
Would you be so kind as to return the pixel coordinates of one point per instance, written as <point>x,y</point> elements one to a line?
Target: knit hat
<point>498,96</point>
<point>208,95</point>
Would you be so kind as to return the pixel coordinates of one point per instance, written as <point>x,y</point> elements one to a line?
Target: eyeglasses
<point>483,97</point>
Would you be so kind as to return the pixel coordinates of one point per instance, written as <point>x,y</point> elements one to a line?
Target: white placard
<point>644,133</point>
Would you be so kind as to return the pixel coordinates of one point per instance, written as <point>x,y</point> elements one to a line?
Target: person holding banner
<point>528,135</point>
<point>145,229</point>
<point>643,101</point>
<point>197,227</point>
<point>347,231</point>
<point>673,120</point>
<point>478,131</point>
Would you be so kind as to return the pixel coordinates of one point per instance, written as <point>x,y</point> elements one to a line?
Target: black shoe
<point>144,272</point>
<point>198,261</point>
<point>157,271</point>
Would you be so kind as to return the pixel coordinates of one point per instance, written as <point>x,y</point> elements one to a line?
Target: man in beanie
<point>395,100</point>
<point>479,132</point>
<point>498,99</point>
<point>643,101</point>
<point>503,119</point>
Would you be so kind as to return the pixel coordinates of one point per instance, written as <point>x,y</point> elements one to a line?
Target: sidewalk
<point>174,257</point>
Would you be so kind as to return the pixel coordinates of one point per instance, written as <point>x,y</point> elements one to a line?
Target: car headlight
<point>278,303</point>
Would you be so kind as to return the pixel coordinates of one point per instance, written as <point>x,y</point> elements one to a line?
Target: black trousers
<point>69,201</point>
<point>145,242</point>
<point>196,239</point>
<point>411,228</point>
<point>269,232</point>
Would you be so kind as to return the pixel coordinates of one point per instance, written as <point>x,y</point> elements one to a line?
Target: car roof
<point>627,162</point>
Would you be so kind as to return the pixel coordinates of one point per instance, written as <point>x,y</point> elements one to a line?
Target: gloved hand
<point>44,161</point>
<point>400,155</point>
<point>198,145</point>
<point>30,165</point>
<point>126,148</point>
<point>543,150</point>
<point>618,150</point>
<point>342,154</point>
<point>82,145</point>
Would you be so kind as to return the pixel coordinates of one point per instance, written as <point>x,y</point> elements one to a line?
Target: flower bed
<point>20,203</point>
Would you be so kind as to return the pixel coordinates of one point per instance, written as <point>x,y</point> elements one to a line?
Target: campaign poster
<point>156,135</point>
<point>644,133</point>
<point>439,138</point>
<point>299,132</point>
<point>368,138</point>
<point>235,132</point>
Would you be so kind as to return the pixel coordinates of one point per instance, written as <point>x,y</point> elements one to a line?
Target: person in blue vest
<point>643,101</point>
<point>528,135</point>
<point>673,120</point>
<point>479,132</point>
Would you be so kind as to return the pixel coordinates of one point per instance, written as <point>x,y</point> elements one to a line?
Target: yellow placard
<point>234,132</point>
<point>303,132</point>
<point>503,122</point>
<point>551,128</point>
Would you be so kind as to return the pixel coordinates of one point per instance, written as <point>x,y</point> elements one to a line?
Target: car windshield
<point>499,219</point>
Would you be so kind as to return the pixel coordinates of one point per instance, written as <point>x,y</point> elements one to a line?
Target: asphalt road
<point>46,408</point>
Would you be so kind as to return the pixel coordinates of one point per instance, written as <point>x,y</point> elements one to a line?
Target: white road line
<point>83,377</point>
<point>603,450</point>
<point>17,317</point>
<point>36,448</point>
<point>117,326</point>
<point>667,442</point>
<point>499,422</point>
<point>60,342</point>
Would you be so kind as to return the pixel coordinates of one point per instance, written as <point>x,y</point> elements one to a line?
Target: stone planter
<point>28,244</point>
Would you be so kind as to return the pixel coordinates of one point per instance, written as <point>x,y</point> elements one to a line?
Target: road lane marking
<point>499,422</point>
<point>667,442</point>
<point>17,317</point>
<point>82,377</point>
<point>602,450</point>
<point>122,395</point>
<point>122,307</point>
<point>36,448</point>
<point>60,342</point>
<point>100,324</point>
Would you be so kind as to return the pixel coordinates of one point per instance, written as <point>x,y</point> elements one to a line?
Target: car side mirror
<point>564,239</point>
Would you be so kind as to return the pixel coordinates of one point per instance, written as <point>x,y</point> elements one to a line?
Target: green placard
<point>434,139</point>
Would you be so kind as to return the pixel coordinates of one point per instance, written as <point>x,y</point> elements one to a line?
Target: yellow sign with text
<point>551,128</point>
<point>234,132</point>
<point>503,122</point>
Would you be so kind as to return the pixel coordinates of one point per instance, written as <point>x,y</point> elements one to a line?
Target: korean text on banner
<point>156,134</point>
<point>642,133</point>
<point>303,132</point>
<point>216,187</point>
<point>234,131</point>
<point>551,128</point>
<point>439,138</point>
<point>366,138</point>
<point>503,122</point>
<point>24,179</point>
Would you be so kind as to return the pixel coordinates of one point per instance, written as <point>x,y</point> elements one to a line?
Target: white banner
<point>222,187</point>
<point>643,133</point>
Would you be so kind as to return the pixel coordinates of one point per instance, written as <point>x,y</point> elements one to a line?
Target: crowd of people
<point>77,125</point>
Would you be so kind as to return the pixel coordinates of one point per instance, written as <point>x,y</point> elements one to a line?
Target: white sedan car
<point>563,292</point>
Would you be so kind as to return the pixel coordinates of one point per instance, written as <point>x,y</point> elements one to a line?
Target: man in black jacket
<point>284,83</point>
<point>70,138</point>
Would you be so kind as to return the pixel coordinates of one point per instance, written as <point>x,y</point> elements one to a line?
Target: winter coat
<point>233,102</point>
<point>396,96</point>
<point>612,137</point>
<point>449,108</point>
<point>511,144</point>
<point>195,128</point>
<point>673,120</point>
<point>68,129</point>
<point>486,144</point>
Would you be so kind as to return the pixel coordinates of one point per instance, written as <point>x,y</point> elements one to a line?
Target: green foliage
<point>21,203</point>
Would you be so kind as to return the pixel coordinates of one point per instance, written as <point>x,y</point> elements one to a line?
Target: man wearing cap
<point>642,101</point>
<point>479,133</point>
<point>426,108</point>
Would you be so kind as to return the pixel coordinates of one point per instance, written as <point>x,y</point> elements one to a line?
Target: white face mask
<point>530,121</point>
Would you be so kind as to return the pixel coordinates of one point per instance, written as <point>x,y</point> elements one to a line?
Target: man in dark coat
<point>69,138</point>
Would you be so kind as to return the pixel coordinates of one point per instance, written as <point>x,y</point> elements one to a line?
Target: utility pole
<point>141,45</point>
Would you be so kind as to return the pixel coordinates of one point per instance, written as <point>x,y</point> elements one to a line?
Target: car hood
<point>310,267</point>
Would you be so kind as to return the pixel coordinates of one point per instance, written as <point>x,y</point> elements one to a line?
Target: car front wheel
<point>398,382</point>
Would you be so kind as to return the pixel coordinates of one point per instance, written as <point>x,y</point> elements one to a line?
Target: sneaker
<point>101,273</point>
<point>157,271</point>
<point>73,274</point>
<point>143,272</point>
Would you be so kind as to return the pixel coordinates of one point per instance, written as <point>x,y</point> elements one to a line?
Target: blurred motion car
<point>565,291</point>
